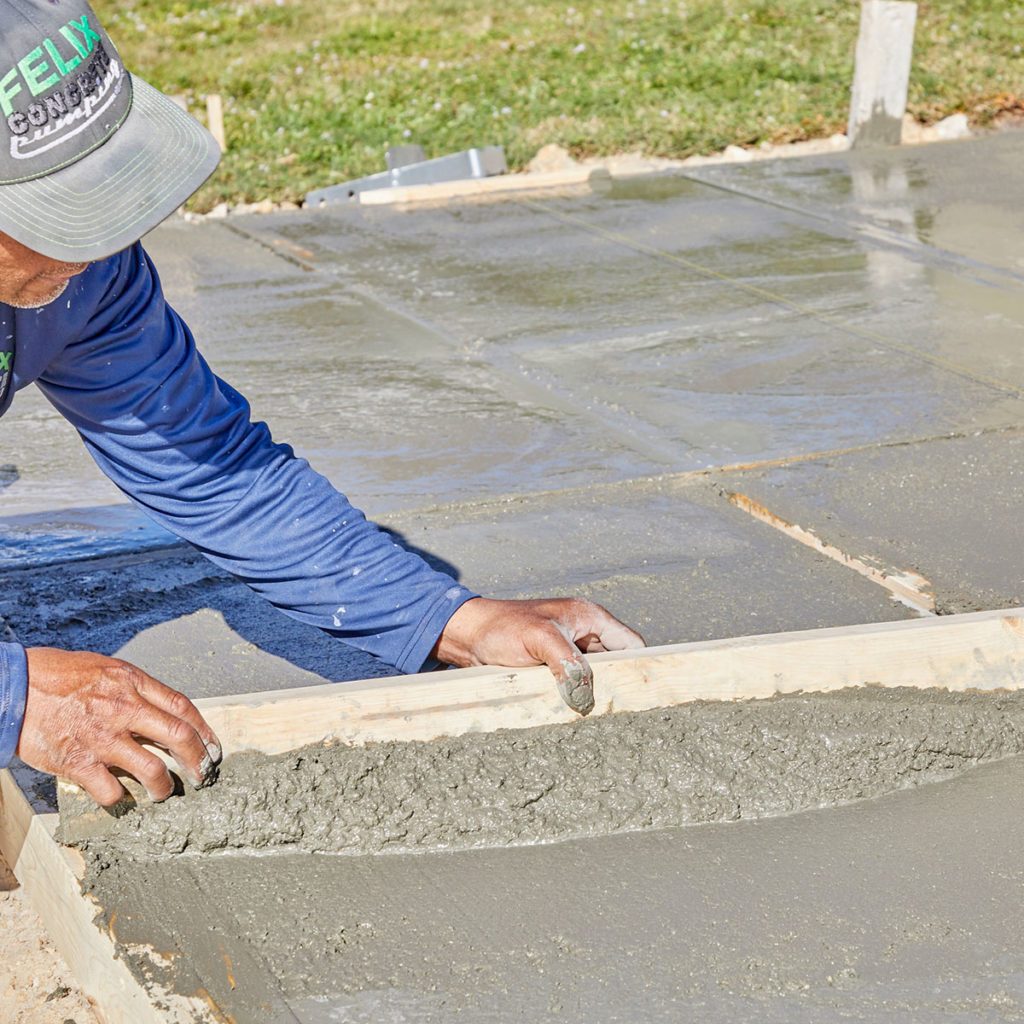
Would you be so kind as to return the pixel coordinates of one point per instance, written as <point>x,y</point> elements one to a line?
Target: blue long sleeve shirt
<point>114,359</point>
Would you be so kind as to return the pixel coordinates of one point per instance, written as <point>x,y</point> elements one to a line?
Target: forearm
<point>13,690</point>
<point>297,541</point>
<point>181,443</point>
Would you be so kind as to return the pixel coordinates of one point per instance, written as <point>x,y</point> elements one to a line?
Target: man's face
<point>27,279</point>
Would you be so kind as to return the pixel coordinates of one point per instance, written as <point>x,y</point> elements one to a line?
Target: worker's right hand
<point>87,713</point>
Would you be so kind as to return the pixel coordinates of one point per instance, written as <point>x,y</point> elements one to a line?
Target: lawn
<point>316,90</point>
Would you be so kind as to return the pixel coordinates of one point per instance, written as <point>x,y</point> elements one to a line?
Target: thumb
<point>552,645</point>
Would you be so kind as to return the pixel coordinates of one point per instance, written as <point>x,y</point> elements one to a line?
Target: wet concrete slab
<point>899,910</point>
<point>672,558</point>
<point>962,198</point>
<point>948,509</point>
<point>699,325</point>
<point>394,410</point>
<point>941,230</point>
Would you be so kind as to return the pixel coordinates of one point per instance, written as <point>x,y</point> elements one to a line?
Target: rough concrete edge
<point>52,878</point>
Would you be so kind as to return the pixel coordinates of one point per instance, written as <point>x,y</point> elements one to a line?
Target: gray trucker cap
<point>90,157</point>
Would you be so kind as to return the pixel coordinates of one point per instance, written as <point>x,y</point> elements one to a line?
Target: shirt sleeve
<point>181,444</point>
<point>13,691</point>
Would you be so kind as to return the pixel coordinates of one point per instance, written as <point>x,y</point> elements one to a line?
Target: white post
<point>884,50</point>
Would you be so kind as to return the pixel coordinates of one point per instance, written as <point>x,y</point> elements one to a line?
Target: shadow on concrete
<point>171,612</point>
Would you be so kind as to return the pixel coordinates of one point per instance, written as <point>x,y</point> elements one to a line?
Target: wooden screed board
<point>979,651</point>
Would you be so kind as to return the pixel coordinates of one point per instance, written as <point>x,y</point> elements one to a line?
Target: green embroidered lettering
<point>9,88</point>
<point>33,67</point>
<point>65,68</point>
<point>81,47</point>
<point>5,360</point>
<point>89,37</point>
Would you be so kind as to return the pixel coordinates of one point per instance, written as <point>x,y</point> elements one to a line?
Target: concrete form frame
<point>976,651</point>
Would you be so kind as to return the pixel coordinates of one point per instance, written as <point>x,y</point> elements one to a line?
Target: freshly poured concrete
<point>902,908</point>
<point>655,330</point>
<point>499,383</point>
<point>672,559</point>
<point>698,762</point>
<point>941,196</point>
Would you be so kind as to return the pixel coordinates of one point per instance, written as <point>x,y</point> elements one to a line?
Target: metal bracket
<point>471,163</point>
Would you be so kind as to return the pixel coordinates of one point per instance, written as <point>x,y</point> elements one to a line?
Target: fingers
<point>100,784</point>
<point>550,645</point>
<point>179,706</point>
<point>179,738</point>
<point>593,628</point>
<point>144,766</point>
<point>616,636</point>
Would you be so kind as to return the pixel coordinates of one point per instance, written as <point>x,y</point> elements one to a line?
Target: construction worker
<point>90,160</point>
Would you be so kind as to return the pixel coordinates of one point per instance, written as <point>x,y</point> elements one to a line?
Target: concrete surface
<point>948,509</point>
<point>699,762</point>
<point>899,910</point>
<point>529,392</point>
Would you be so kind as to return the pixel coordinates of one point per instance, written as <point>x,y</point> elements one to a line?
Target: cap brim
<point>110,198</point>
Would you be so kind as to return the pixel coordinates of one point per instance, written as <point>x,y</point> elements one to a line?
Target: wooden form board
<point>498,187</point>
<point>52,876</point>
<point>983,651</point>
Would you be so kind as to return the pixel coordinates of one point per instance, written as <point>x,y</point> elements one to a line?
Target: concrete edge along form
<point>976,651</point>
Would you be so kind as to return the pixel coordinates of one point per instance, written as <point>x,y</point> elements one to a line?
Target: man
<point>90,160</point>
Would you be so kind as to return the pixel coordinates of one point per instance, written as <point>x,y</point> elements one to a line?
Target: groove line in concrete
<point>766,294</point>
<point>681,478</point>
<point>908,587</point>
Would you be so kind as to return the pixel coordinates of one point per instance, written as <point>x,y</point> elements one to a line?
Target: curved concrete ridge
<point>698,762</point>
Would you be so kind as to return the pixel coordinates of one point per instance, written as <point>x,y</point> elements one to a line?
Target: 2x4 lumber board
<point>51,875</point>
<point>573,179</point>
<point>980,650</point>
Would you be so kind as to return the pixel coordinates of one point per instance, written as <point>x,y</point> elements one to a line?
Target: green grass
<point>316,90</point>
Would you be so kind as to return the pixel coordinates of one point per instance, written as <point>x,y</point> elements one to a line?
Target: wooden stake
<point>215,120</point>
<point>882,72</point>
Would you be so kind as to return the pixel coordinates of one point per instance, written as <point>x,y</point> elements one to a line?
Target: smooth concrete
<point>965,199</point>
<point>698,326</point>
<point>949,510</point>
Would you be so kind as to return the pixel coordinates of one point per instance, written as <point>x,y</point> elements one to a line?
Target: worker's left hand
<point>555,632</point>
